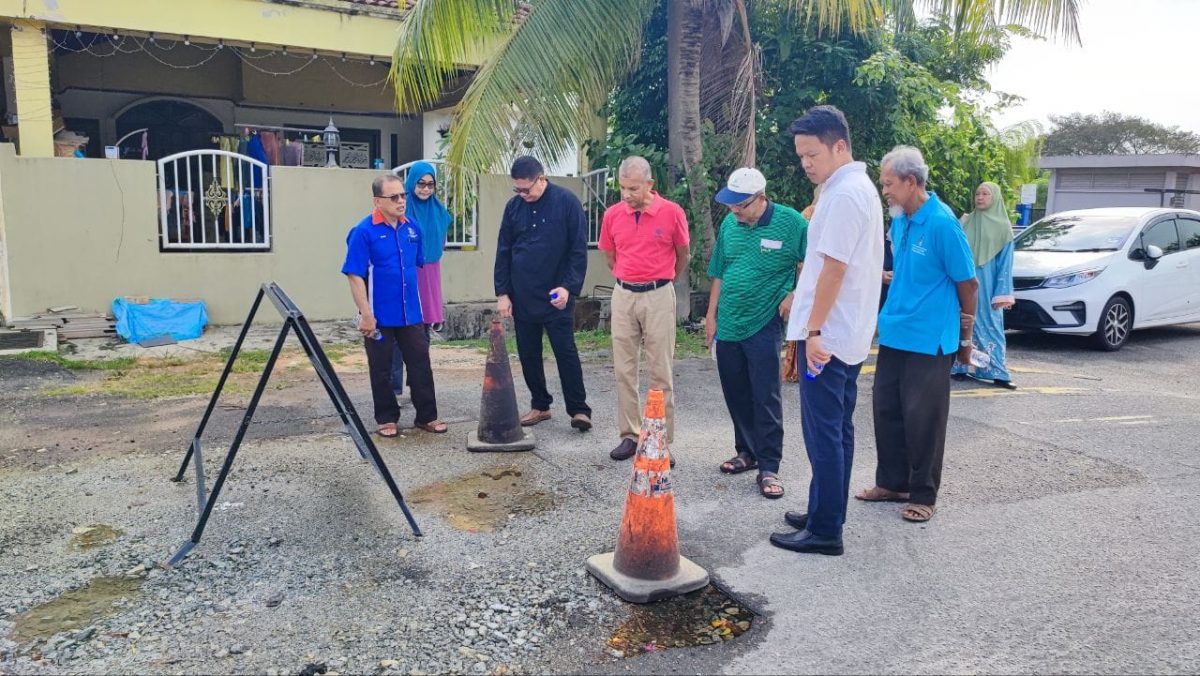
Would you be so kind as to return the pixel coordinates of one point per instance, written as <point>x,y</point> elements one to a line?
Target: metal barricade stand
<point>293,321</point>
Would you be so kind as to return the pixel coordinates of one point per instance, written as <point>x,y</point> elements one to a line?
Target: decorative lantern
<point>333,141</point>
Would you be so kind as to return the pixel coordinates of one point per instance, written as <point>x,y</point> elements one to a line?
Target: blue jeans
<point>827,419</point>
<point>749,371</point>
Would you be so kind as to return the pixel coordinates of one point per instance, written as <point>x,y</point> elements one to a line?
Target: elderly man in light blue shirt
<point>925,324</point>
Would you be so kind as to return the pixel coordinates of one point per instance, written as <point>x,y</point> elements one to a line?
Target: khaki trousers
<point>643,321</point>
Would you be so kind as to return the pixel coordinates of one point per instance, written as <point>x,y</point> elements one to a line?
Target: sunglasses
<point>397,198</point>
<point>426,184</point>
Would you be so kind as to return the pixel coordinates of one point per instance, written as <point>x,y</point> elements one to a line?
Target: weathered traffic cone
<point>646,565</point>
<point>499,423</point>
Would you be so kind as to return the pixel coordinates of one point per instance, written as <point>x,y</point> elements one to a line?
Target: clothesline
<point>276,127</point>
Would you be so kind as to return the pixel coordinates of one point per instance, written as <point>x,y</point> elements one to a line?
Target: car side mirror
<point>1154,252</point>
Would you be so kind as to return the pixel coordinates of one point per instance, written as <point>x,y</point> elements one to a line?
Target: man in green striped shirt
<point>755,262</point>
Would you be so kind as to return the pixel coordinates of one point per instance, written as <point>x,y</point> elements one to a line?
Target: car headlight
<point>1071,278</point>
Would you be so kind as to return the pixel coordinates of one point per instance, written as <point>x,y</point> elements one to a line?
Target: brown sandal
<point>917,513</point>
<point>770,486</point>
<point>388,430</point>
<point>433,426</point>
<point>877,494</point>
<point>738,464</point>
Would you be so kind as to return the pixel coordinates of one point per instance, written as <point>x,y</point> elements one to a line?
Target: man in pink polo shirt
<point>645,239</point>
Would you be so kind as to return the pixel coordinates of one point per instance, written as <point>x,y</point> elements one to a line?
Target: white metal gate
<point>460,195</point>
<point>595,201</point>
<point>214,200</point>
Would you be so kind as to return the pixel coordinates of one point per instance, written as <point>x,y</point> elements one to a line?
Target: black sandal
<point>738,464</point>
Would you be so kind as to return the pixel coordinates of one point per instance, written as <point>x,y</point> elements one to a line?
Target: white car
<point>1104,272</point>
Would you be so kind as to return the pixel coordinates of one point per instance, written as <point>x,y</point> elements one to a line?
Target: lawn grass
<point>113,364</point>
<point>158,377</point>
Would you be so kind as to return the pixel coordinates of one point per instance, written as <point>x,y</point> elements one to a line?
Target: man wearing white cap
<point>755,261</point>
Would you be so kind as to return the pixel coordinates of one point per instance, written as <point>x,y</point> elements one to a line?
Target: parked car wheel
<point>1116,321</point>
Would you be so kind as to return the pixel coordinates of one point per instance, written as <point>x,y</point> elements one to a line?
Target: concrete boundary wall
<point>83,232</point>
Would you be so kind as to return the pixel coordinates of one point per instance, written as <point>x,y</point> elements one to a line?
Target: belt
<point>642,287</point>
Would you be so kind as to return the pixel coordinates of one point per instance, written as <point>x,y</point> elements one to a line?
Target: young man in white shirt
<point>833,315</point>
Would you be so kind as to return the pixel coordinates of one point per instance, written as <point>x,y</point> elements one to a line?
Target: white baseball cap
<point>743,184</point>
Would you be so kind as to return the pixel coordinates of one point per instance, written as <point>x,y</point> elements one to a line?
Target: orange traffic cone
<point>646,565</point>
<point>499,423</point>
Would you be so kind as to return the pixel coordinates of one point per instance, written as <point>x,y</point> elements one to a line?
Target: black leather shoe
<point>1006,384</point>
<point>797,520</point>
<point>624,450</point>
<point>805,542</point>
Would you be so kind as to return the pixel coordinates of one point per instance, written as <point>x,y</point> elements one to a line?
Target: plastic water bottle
<point>376,334</point>
<point>980,359</point>
<point>809,375</point>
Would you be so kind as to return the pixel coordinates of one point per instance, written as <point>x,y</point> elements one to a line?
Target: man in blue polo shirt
<point>925,324</point>
<point>383,253</point>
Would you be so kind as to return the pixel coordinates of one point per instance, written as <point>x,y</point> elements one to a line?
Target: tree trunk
<point>685,35</point>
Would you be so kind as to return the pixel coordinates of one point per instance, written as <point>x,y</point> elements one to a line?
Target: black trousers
<point>561,331</point>
<point>911,404</point>
<point>414,347</point>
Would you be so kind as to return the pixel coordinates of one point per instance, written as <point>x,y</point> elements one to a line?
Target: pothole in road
<point>703,617</point>
<point>484,501</point>
<point>95,535</point>
<point>75,609</point>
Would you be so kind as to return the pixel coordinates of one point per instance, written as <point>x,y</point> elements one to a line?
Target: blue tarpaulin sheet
<point>160,317</point>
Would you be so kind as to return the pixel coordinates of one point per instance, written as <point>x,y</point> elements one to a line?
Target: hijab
<point>988,230</point>
<point>431,215</point>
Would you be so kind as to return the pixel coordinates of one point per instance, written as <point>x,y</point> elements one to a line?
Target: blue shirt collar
<point>931,205</point>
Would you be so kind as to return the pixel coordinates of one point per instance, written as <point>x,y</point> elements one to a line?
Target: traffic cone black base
<point>476,445</point>
<point>636,590</point>
<point>499,422</point>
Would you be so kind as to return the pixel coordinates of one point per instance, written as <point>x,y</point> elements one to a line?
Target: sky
<point>1138,57</point>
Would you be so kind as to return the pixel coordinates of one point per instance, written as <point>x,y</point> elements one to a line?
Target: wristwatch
<point>806,333</point>
<point>965,343</point>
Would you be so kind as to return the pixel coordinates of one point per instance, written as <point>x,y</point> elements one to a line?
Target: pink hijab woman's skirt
<point>429,286</point>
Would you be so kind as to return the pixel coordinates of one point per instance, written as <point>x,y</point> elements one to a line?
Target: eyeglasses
<point>526,191</point>
<point>426,184</point>
<point>743,205</point>
<point>397,198</point>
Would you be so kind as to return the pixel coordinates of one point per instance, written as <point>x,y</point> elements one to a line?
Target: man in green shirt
<point>755,262</point>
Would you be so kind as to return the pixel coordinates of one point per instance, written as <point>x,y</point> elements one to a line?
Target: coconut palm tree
<point>547,66</point>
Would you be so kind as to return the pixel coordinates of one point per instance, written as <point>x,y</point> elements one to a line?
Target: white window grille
<point>459,194</point>
<point>595,201</point>
<point>213,200</point>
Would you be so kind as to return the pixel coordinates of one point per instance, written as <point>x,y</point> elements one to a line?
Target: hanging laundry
<point>254,148</point>
<point>270,144</point>
<point>293,153</point>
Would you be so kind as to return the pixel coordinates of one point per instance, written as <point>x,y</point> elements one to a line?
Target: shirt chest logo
<point>919,248</point>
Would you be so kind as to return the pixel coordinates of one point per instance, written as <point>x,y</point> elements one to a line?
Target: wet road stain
<point>75,609</point>
<point>703,617</point>
<point>95,535</point>
<point>485,501</point>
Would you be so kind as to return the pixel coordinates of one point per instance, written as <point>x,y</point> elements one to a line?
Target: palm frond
<point>829,15</point>
<point>547,78</point>
<point>1047,17</point>
<point>439,39</point>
